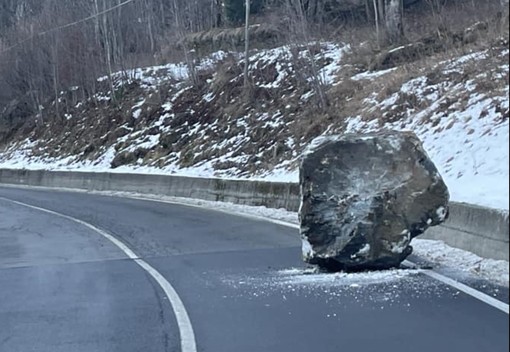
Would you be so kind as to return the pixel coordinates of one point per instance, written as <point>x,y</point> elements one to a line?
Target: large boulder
<point>364,197</point>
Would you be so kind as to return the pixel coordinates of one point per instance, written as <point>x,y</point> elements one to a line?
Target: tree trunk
<point>394,21</point>
<point>108,55</point>
<point>377,31</point>
<point>182,38</point>
<point>505,13</point>
<point>96,23</point>
<point>246,43</point>
<point>380,10</point>
<point>219,15</point>
<point>302,33</point>
<point>55,76</point>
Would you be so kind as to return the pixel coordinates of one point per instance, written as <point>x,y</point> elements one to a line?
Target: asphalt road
<point>64,287</point>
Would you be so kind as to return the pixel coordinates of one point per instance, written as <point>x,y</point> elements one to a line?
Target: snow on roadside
<point>465,132</point>
<point>437,252</point>
<point>448,257</point>
<point>261,212</point>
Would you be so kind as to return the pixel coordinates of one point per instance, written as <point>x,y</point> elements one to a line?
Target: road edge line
<point>430,273</point>
<point>187,335</point>
<point>483,297</point>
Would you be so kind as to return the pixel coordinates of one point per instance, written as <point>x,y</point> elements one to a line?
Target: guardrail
<point>480,230</point>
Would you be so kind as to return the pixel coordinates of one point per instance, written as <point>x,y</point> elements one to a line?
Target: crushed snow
<point>436,252</point>
<point>310,276</point>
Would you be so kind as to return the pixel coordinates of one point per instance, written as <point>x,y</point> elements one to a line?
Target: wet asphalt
<point>64,287</point>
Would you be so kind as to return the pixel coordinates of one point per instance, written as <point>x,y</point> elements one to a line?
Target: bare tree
<point>184,44</point>
<point>108,51</point>
<point>377,30</point>
<point>56,75</point>
<point>246,43</point>
<point>394,21</point>
<point>388,14</point>
<point>301,32</point>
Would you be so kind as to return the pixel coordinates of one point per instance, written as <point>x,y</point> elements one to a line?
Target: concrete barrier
<point>270,194</point>
<point>480,230</point>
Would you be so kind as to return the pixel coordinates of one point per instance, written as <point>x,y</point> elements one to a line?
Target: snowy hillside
<point>457,104</point>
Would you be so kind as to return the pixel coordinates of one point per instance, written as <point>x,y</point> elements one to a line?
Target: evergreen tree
<point>234,10</point>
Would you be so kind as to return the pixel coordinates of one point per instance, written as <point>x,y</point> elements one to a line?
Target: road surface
<point>239,286</point>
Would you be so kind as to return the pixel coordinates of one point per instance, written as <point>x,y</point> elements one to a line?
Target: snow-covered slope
<point>464,130</point>
<point>458,105</point>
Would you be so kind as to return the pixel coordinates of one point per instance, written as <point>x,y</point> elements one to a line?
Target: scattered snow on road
<point>297,276</point>
<point>376,290</point>
<point>437,252</point>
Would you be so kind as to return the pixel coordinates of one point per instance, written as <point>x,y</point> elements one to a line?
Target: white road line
<point>464,288</point>
<point>435,275</point>
<point>188,343</point>
<point>446,280</point>
<point>469,290</point>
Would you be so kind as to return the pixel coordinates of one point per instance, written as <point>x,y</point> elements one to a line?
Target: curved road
<point>65,287</point>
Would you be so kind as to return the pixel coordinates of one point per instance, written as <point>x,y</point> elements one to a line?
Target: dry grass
<point>303,120</point>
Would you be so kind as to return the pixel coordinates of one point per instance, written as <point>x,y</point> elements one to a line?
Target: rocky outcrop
<point>364,197</point>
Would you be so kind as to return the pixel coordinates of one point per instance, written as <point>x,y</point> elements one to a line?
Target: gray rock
<point>364,197</point>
